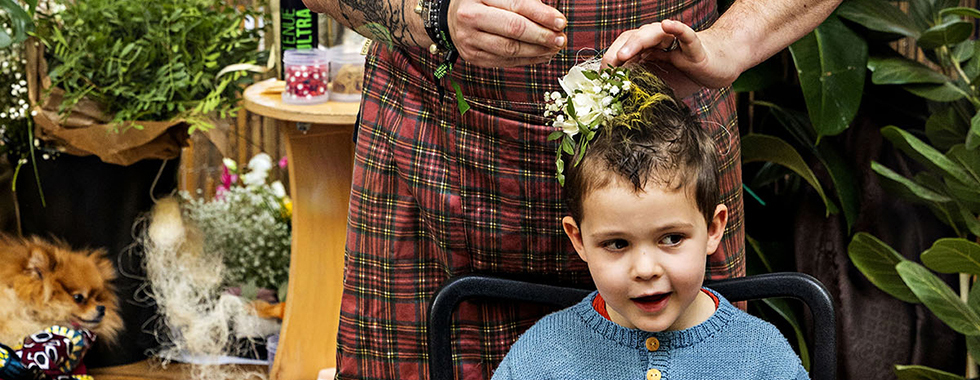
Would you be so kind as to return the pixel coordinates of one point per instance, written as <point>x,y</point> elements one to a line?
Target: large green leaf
<point>973,342</point>
<point>830,62</point>
<point>781,307</point>
<point>964,50</point>
<point>945,128</point>
<point>760,76</point>
<point>973,136</point>
<point>939,298</point>
<point>948,33</point>
<point>969,160</point>
<point>953,255</point>
<point>906,188</point>
<point>876,260</point>
<point>946,92</point>
<point>841,172</point>
<point>926,154</point>
<point>918,372</point>
<point>20,20</point>
<point>960,11</point>
<point>896,70</point>
<point>756,147</point>
<point>878,15</point>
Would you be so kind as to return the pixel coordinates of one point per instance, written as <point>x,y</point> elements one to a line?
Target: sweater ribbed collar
<point>635,338</point>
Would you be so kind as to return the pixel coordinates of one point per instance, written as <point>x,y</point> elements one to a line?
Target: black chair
<point>786,284</point>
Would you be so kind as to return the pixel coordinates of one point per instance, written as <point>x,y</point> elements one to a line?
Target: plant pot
<point>94,204</point>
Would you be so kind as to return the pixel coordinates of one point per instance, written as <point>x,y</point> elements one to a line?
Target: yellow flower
<point>287,208</point>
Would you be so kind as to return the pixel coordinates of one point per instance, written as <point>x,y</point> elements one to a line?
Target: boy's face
<point>646,252</point>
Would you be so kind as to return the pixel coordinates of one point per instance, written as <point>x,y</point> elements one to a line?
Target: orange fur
<point>44,284</point>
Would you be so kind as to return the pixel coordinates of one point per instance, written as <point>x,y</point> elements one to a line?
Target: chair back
<point>784,284</point>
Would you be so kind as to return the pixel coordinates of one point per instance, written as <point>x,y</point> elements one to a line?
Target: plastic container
<point>346,74</point>
<point>271,346</point>
<point>307,75</point>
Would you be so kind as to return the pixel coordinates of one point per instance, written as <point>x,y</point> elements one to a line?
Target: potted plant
<point>116,87</point>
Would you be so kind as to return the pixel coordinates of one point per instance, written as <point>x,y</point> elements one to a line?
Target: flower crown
<point>591,99</point>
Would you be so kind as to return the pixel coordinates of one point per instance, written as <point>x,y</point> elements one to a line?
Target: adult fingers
<point>506,48</point>
<point>650,36</point>
<point>533,10</point>
<point>611,57</point>
<point>691,47</point>
<point>474,18</point>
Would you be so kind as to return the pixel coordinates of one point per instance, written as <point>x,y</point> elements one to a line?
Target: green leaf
<point>926,154</point>
<point>945,128</point>
<point>876,260</point>
<point>878,15</point>
<point>953,255</point>
<point>894,70</point>
<point>973,136</point>
<point>946,92</point>
<point>960,11</point>
<point>759,76</point>
<point>830,62</point>
<point>20,20</point>
<point>969,160</point>
<point>555,135</point>
<point>845,182</point>
<point>906,188</point>
<point>756,147</point>
<point>947,33</point>
<point>781,307</point>
<point>964,50</point>
<point>939,298</point>
<point>5,40</point>
<point>918,372</point>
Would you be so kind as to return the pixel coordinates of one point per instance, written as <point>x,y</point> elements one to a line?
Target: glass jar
<point>307,74</point>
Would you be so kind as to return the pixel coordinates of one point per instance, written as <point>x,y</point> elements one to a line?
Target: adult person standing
<point>437,194</point>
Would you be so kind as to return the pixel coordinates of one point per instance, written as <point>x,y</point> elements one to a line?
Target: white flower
<point>606,101</point>
<point>555,95</point>
<point>626,85</point>
<point>570,127</point>
<point>254,178</point>
<point>574,80</point>
<point>604,75</point>
<point>278,189</point>
<point>230,164</point>
<point>614,90</point>
<point>261,162</point>
<point>587,107</point>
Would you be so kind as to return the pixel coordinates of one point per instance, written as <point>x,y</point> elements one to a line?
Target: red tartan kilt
<point>437,195</point>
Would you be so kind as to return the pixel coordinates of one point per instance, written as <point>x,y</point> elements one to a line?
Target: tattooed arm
<point>489,33</point>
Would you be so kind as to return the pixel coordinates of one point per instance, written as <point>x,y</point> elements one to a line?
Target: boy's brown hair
<point>655,138</point>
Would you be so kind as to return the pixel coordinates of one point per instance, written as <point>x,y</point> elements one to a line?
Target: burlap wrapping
<point>85,130</point>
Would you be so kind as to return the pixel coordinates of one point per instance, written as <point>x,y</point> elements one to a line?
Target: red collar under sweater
<point>599,304</point>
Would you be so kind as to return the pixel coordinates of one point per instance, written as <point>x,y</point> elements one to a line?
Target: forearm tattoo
<point>384,20</point>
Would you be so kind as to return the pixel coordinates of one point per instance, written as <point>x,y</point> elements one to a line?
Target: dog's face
<point>71,287</point>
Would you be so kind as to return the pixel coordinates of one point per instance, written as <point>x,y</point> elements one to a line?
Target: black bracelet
<point>435,18</point>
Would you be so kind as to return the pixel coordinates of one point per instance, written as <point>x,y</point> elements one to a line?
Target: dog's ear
<point>106,269</point>
<point>40,261</point>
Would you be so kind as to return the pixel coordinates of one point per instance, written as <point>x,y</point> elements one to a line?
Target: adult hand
<point>698,60</point>
<point>505,33</point>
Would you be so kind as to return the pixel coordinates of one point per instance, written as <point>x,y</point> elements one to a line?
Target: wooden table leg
<point>320,165</point>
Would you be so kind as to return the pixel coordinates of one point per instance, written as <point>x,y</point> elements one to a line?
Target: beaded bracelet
<point>435,18</point>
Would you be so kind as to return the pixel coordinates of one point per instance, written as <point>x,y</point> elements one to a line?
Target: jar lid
<point>305,57</point>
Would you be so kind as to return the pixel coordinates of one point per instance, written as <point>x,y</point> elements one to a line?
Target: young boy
<point>645,214</point>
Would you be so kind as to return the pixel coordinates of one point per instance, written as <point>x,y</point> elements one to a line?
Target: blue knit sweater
<point>578,343</point>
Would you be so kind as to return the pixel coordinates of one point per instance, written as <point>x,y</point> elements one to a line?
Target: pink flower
<point>227,179</point>
<point>283,162</point>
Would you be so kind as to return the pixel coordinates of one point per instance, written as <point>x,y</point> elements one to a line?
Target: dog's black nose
<point>101,310</point>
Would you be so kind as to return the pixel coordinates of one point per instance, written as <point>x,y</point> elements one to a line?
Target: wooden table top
<point>265,98</point>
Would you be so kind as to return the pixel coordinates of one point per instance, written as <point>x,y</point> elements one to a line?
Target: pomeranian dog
<point>44,284</point>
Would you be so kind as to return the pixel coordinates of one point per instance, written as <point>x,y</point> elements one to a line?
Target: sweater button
<point>653,374</point>
<point>653,344</point>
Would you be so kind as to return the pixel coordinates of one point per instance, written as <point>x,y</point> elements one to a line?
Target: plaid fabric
<point>437,195</point>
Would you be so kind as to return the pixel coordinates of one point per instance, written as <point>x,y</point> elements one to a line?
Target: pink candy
<point>307,81</point>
